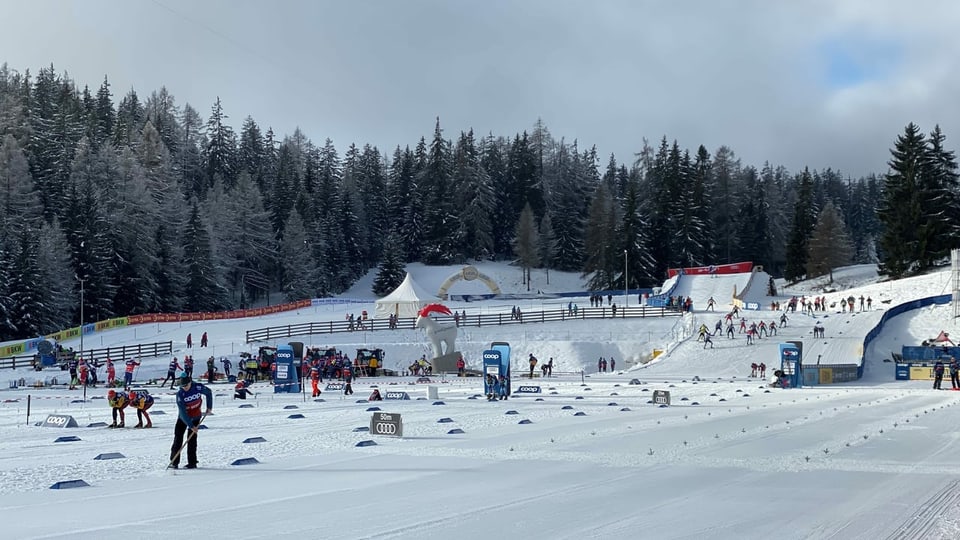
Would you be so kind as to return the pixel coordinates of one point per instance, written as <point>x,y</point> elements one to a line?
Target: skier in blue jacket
<point>189,403</point>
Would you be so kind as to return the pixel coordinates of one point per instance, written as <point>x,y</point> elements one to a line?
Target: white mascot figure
<point>441,336</point>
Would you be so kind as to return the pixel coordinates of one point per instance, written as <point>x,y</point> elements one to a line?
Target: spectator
<point>211,370</point>
<point>203,340</point>
<point>533,364</point>
<point>189,341</point>
<point>226,367</point>
<point>937,374</point>
<point>347,380</point>
<point>111,373</point>
<point>315,380</point>
<point>375,396</point>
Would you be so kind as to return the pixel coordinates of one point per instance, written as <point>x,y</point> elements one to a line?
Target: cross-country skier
<point>172,369</point>
<point>141,401</point>
<point>118,402</point>
<point>189,403</point>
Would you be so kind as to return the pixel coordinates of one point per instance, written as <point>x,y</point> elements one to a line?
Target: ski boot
<point>120,425</point>
<point>113,425</point>
<point>149,425</point>
<point>139,425</point>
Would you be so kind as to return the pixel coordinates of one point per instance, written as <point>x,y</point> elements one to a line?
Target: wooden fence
<point>476,321</point>
<point>117,354</point>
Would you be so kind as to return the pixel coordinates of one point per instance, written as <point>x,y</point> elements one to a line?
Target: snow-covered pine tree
<point>830,245</point>
<point>390,273</point>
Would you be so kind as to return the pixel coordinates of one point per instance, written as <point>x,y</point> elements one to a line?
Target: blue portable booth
<point>285,379</point>
<point>791,364</point>
<point>496,362</point>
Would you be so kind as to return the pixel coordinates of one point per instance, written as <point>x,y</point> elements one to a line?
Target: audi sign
<point>661,397</point>
<point>389,424</point>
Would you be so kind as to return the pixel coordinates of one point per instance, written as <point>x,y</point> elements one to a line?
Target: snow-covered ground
<point>728,459</point>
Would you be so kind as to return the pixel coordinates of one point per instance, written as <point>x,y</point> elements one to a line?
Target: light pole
<point>81,316</point>
<point>626,293</point>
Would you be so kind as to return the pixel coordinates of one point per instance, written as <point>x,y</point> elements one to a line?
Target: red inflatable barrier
<point>735,268</point>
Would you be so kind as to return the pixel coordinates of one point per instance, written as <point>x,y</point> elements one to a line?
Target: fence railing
<point>475,321</point>
<point>119,354</point>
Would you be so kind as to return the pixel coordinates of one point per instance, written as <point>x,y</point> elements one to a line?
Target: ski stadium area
<point>579,454</point>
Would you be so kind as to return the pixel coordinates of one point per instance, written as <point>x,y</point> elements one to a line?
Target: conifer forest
<point>150,205</point>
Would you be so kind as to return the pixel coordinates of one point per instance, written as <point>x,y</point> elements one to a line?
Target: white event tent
<point>405,301</point>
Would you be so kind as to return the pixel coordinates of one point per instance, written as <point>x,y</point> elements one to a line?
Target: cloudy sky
<point>816,83</point>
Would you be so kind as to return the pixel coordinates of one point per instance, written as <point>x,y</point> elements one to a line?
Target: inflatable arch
<point>467,273</point>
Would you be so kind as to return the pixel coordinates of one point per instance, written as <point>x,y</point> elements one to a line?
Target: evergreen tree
<point>251,154</point>
<point>297,264</point>
<point>87,228</point>
<point>726,171</point>
<point>104,117</point>
<point>603,258</point>
<point>161,111</point>
<point>133,218</point>
<point>220,153</point>
<point>57,286</point>
<point>571,202</point>
<point>941,202</point>
<point>130,118</point>
<point>800,231</point>
<point>901,210</point>
<point>204,292</point>
<point>475,198</point>
<point>830,245</point>
<point>391,272</point>
<point>753,230</point>
<point>186,151</point>
<point>633,233</point>
<point>19,202</point>
<point>404,207</point>
<point>25,291</point>
<point>548,244</point>
<point>526,243</point>
<point>433,183</point>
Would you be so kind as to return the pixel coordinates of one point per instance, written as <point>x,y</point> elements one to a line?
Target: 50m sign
<point>388,424</point>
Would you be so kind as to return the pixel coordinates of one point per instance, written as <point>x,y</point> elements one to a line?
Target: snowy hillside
<point>590,456</point>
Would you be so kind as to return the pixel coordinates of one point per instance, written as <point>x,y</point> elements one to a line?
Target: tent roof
<point>408,291</point>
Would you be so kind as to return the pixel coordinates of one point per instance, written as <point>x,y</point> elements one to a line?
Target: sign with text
<point>528,389</point>
<point>60,421</point>
<point>389,424</point>
<point>396,394</point>
<point>661,397</point>
<point>334,387</point>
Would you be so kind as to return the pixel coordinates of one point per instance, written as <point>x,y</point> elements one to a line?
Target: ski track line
<point>418,527</point>
<point>924,523</point>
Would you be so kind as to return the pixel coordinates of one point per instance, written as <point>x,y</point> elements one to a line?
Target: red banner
<point>735,268</point>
